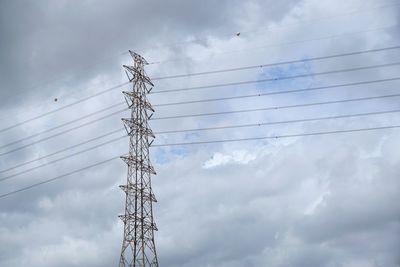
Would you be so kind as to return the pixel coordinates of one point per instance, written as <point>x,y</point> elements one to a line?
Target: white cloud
<point>317,202</point>
<point>235,157</point>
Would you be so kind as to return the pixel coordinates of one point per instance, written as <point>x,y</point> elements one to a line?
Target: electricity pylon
<point>138,247</point>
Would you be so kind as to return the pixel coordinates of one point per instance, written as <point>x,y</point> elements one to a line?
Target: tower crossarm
<point>132,98</point>
<point>132,217</point>
<point>132,126</point>
<point>138,164</point>
<point>138,58</point>
<point>132,189</point>
<point>136,75</point>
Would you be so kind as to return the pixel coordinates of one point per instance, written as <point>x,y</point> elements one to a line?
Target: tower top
<point>138,58</point>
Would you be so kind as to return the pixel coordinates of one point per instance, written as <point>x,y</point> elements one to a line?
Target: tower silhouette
<point>138,247</point>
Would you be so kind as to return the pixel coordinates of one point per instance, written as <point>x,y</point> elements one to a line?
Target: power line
<point>191,102</point>
<point>62,158</point>
<point>278,78</point>
<point>58,177</point>
<point>282,122</point>
<point>232,34</point>
<point>232,51</point>
<point>199,115</point>
<point>61,108</point>
<point>195,74</point>
<point>277,63</point>
<point>278,107</point>
<point>68,123</point>
<point>201,142</point>
<point>280,92</point>
<point>166,104</point>
<point>180,131</point>
<point>60,133</point>
<point>277,136</point>
<point>196,101</point>
<point>61,150</point>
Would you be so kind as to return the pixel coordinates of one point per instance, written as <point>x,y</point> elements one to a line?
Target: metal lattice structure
<point>138,247</point>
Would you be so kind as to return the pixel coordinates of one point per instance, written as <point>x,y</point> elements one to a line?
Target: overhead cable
<point>278,78</point>
<point>188,75</point>
<point>22,189</point>
<point>203,114</point>
<point>178,131</point>
<point>122,103</point>
<point>277,107</point>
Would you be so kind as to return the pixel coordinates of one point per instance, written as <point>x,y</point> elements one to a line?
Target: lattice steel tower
<point>138,248</point>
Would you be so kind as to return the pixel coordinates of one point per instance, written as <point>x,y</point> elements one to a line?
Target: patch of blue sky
<point>166,154</point>
<point>280,72</point>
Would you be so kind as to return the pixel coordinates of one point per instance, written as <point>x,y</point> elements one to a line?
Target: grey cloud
<point>43,42</point>
<point>315,201</point>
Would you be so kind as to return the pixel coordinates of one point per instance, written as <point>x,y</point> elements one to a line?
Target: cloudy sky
<point>308,201</point>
